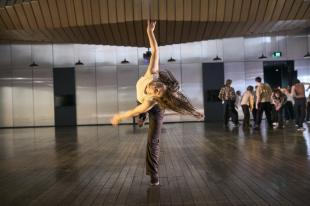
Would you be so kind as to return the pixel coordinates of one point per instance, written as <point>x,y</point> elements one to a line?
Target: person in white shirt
<point>238,99</point>
<point>288,107</point>
<point>156,91</point>
<point>247,104</point>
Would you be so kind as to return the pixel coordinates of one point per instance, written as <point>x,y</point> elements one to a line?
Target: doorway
<point>64,96</point>
<point>279,73</point>
<point>213,80</point>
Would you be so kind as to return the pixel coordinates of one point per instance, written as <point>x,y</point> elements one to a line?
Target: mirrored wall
<point>104,85</point>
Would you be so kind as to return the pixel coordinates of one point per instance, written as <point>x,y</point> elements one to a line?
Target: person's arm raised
<point>153,67</point>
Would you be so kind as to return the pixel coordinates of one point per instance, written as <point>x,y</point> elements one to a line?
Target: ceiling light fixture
<point>263,49</point>
<point>77,54</point>
<point>33,64</point>
<point>262,56</point>
<point>307,56</point>
<point>125,61</point>
<point>171,59</point>
<point>217,58</point>
<point>79,63</point>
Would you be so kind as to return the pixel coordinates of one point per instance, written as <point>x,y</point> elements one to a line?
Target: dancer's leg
<point>152,151</point>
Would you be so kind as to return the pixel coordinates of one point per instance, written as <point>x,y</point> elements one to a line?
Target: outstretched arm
<point>141,108</point>
<point>153,67</point>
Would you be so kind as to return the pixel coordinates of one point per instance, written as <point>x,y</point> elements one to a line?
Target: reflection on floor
<point>200,165</point>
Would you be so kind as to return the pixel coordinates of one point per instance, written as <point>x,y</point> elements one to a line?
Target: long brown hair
<point>173,98</point>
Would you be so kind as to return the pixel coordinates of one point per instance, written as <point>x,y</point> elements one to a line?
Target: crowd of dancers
<point>280,105</point>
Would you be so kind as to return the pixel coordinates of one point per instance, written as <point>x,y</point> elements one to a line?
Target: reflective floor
<point>200,165</point>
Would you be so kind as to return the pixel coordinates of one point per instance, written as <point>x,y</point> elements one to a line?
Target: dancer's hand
<point>198,115</point>
<point>151,25</point>
<point>116,120</point>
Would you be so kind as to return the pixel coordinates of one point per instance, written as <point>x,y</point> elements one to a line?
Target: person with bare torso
<point>298,92</point>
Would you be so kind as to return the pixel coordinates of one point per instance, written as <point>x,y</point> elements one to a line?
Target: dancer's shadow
<point>153,195</point>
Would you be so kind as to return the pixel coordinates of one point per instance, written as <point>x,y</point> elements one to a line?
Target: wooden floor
<point>200,165</point>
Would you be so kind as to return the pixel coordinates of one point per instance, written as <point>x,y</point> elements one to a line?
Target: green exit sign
<point>276,54</point>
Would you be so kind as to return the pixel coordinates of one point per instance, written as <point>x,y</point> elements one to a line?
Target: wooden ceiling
<point>123,22</point>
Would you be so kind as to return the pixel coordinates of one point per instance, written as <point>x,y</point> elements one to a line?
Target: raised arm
<point>153,67</point>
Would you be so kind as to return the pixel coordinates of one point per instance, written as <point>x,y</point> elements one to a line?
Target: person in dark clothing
<point>298,92</point>
<point>308,109</point>
<point>228,97</point>
<point>263,98</point>
<point>254,110</point>
<point>156,91</point>
<point>279,99</point>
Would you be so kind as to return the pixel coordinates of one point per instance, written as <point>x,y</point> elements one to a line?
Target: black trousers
<point>279,115</point>
<point>274,114</point>
<point>308,112</point>
<point>230,111</point>
<point>156,116</point>
<point>289,110</point>
<point>264,107</point>
<point>254,112</point>
<point>246,112</point>
<point>300,110</point>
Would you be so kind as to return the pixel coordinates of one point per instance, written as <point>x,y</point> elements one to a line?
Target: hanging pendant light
<point>307,56</point>
<point>79,63</point>
<point>262,56</point>
<point>171,59</point>
<point>264,49</point>
<point>217,58</point>
<point>125,61</point>
<point>33,64</point>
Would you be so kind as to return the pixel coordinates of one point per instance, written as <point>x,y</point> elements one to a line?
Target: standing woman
<point>156,91</point>
<point>288,107</point>
<point>279,99</point>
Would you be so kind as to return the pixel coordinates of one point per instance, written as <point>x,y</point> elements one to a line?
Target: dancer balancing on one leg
<point>156,91</point>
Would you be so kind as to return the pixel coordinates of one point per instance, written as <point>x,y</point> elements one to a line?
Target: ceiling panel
<point>123,22</point>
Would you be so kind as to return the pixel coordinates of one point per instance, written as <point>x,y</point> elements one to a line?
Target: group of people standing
<point>279,104</point>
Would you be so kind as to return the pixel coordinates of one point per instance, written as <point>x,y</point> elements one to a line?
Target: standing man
<point>228,97</point>
<point>298,92</point>
<point>247,104</point>
<point>263,99</point>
